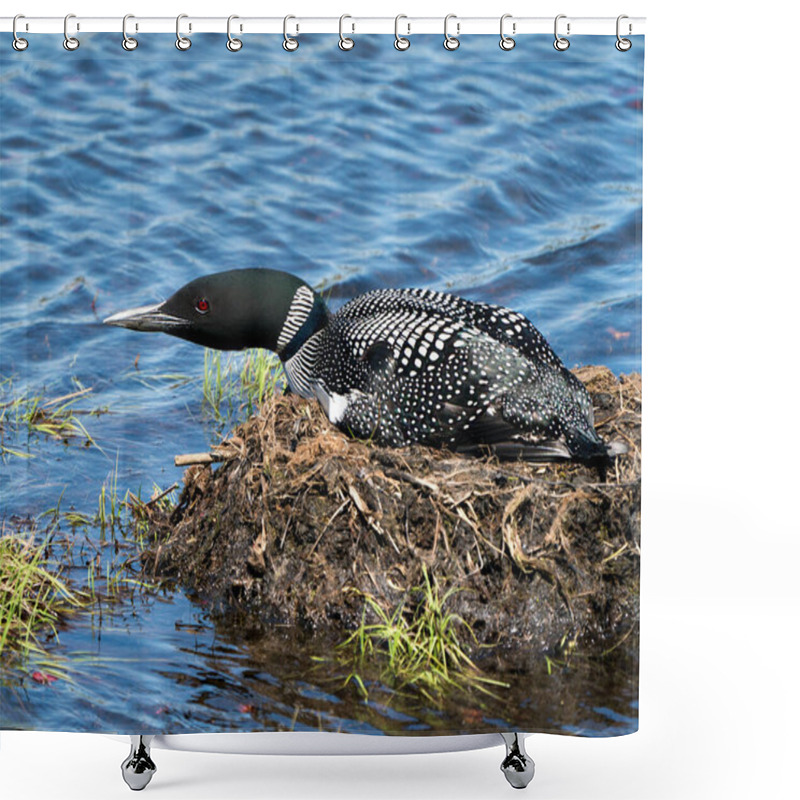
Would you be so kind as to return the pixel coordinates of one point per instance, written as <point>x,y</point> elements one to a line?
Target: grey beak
<point>146,318</point>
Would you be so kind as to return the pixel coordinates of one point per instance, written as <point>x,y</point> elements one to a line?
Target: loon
<point>397,366</point>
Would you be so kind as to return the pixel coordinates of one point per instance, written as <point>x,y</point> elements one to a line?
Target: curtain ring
<point>128,42</point>
<point>70,42</point>
<point>181,42</point>
<point>560,43</point>
<point>233,44</point>
<point>450,42</point>
<point>506,42</point>
<point>400,42</point>
<point>19,43</point>
<point>344,42</point>
<point>623,44</point>
<point>289,44</point>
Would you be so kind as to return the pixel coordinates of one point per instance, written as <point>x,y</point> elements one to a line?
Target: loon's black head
<point>234,310</point>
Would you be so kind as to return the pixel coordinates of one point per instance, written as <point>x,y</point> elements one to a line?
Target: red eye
<point>202,305</point>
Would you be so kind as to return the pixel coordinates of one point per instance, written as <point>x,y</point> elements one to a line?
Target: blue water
<point>512,177</point>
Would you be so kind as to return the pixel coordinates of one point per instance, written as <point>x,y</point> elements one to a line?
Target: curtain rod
<point>408,26</point>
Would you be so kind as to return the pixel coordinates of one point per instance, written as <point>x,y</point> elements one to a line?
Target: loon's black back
<point>402,366</point>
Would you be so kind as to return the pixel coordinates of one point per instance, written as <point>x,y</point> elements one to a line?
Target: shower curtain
<point>286,575</point>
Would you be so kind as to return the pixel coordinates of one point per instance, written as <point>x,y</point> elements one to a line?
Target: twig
<point>615,554</point>
<point>163,494</point>
<point>617,644</point>
<point>198,458</point>
<point>328,524</point>
<point>405,476</point>
<point>367,515</point>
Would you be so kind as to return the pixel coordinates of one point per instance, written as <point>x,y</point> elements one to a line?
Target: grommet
<point>450,42</point>
<point>623,45</point>
<point>70,42</point>
<point>18,43</point>
<point>289,44</point>
<point>181,42</point>
<point>561,43</point>
<point>345,43</point>
<point>233,44</point>
<point>128,42</point>
<point>400,42</point>
<point>506,42</point>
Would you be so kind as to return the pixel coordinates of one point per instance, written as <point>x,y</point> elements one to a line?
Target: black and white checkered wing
<point>409,366</point>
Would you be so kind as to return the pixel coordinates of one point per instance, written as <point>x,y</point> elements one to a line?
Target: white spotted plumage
<point>404,366</point>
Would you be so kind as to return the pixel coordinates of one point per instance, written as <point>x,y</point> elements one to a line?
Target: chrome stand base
<point>138,768</point>
<point>517,766</point>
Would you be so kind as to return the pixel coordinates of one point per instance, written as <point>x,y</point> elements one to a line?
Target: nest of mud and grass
<point>301,525</point>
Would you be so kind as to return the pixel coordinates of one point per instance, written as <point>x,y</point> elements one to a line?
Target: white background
<point>720,715</point>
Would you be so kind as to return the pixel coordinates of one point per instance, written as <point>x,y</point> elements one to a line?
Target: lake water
<point>512,177</point>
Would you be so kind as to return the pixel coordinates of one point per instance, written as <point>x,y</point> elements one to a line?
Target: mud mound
<point>298,516</point>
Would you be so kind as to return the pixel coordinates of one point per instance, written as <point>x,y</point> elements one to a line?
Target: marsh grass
<point>239,382</point>
<point>33,600</point>
<point>420,644</point>
<point>65,564</point>
<point>159,380</point>
<point>138,513</point>
<point>55,515</point>
<point>66,574</point>
<point>109,504</point>
<point>56,418</point>
<point>127,514</point>
<point>43,585</point>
